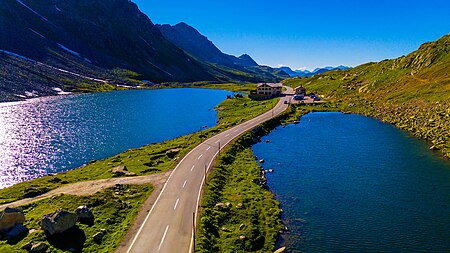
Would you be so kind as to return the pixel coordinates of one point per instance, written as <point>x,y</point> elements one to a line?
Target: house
<point>272,89</point>
<point>301,91</point>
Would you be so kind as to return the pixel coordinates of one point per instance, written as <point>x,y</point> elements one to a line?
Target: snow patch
<point>73,52</point>
<point>37,33</point>
<point>35,12</point>
<point>17,55</point>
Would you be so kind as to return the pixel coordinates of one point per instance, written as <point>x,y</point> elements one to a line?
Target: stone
<point>224,229</point>
<point>98,237</point>
<point>122,171</point>
<point>27,246</point>
<point>11,217</point>
<point>241,226</point>
<point>280,250</point>
<point>261,161</point>
<point>55,180</point>
<point>39,247</point>
<point>242,237</point>
<point>228,205</point>
<point>239,206</point>
<point>83,212</point>
<point>220,205</point>
<point>171,153</point>
<point>58,222</point>
<point>16,231</point>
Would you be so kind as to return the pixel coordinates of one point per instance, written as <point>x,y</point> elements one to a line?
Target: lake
<point>349,183</point>
<point>54,134</point>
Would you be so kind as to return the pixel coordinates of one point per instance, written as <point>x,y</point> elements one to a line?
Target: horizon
<point>303,35</point>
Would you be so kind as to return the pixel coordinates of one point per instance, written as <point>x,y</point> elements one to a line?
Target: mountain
<point>306,73</point>
<point>200,47</point>
<point>411,92</point>
<point>90,45</point>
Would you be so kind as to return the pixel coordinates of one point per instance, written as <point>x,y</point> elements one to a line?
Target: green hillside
<point>411,92</point>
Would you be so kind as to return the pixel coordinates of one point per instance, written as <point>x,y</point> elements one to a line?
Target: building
<point>272,89</point>
<point>301,91</point>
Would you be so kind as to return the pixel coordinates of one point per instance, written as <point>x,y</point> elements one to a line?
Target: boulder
<point>261,161</point>
<point>220,205</point>
<point>58,222</point>
<point>280,250</point>
<point>11,217</point>
<point>17,231</point>
<point>39,247</point>
<point>171,153</point>
<point>98,236</point>
<point>83,212</point>
<point>122,171</point>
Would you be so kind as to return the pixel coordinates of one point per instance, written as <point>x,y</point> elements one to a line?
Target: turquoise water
<point>349,183</point>
<point>54,134</point>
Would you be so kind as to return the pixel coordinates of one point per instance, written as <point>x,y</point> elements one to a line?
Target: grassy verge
<point>150,159</point>
<point>112,212</point>
<point>240,214</point>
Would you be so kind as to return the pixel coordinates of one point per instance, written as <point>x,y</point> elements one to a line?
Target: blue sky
<point>309,34</point>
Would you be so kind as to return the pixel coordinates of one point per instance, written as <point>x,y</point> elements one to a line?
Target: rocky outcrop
<point>85,215</point>
<point>171,153</point>
<point>99,236</point>
<point>38,247</point>
<point>122,171</point>
<point>58,222</point>
<point>11,217</point>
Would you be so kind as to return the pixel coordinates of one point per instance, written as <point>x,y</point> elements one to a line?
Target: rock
<point>242,237</point>
<point>267,141</point>
<point>220,205</point>
<point>224,229</point>
<point>27,246</point>
<point>122,171</point>
<point>16,231</point>
<point>83,212</point>
<point>270,170</point>
<point>239,206</point>
<point>29,189</point>
<point>39,247</point>
<point>55,180</point>
<point>228,205</point>
<point>171,153</point>
<point>11,217</point>
<point>103,231</point>
<point>58,222</point>
<point>280,250</point>
<point>261,161</point>
<point>159,162</point>
<point>241,226</point>
<point>98,237</point>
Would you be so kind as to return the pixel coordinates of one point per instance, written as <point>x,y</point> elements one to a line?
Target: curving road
<point>168,226</point>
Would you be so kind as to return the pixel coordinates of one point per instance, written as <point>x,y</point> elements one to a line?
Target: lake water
<point>54,134</point>
<point>349,183</point>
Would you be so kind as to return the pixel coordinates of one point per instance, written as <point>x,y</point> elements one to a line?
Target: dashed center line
<point>200,157</point>
<point>227,135</point>
<point>193,166</point>
<point>235,130</point>
<point>217,141</point>
<point>162,239</point>
<point>185,181</point>
<point>176,204</point>
<point>208,148</point>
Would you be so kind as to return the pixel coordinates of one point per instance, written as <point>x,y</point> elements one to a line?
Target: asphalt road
<point>169,225</point>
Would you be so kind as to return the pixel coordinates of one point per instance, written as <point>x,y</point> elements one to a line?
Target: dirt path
<point>91,187</point>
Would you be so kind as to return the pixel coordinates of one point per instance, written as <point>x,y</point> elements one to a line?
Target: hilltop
<point>412,91</point>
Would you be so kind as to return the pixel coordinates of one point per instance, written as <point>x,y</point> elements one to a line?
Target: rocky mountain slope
<point>197,45</point>
<point>51,45</point>
<point>411,92</point>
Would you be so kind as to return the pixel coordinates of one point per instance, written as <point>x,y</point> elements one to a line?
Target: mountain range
<point>47,46</point>
<point>307,73</point>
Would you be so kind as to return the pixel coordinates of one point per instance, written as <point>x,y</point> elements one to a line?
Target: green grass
<point>115,213</point>
<point>149,159</point>
<point>411,92</point>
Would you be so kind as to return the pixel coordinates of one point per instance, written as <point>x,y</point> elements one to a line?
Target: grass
<point>146,160</point>
<point>411,92</point>
<point>112,212</point>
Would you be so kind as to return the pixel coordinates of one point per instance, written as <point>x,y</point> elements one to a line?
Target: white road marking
<point>185,181</point>
<point>164,236</point>
<point>236,130</point>
<point>217,141</point>
<point>208,148</point>
<point>193,166</point>
<point>200,157</point>
<point>227,135</point>
<point>176,204</point>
